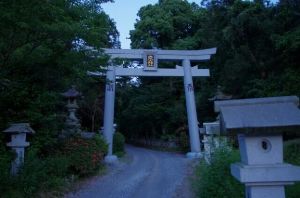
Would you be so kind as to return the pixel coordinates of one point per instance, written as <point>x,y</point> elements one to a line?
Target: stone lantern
<point>72,125</point>
<point>220,95</point>
<point>211,130</point>
<point>259,124</point>
<point>18,143</point>
<point>211,139</point>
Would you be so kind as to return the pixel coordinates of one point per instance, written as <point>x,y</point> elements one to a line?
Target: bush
<point>76,157</point>
<point>215,180</point>
<point>292,155</point>
<point>36,174</point>
<point>32,176</point>
<point>85,155</point>
<point>184,142</point>
<point>5,160</point>
<point>119,143</point>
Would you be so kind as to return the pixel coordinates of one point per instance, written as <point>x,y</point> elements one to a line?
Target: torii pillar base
<point>111,159</point>
<point>194,155</point>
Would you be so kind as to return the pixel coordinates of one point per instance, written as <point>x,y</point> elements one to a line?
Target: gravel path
<point>143,174</point>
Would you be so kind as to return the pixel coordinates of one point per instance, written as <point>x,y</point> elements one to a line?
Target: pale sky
<point>124,13</point>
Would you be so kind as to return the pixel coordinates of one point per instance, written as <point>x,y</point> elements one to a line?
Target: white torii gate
<point>150,58</point>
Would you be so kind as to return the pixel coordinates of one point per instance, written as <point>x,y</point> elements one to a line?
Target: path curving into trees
<point>143,174</point>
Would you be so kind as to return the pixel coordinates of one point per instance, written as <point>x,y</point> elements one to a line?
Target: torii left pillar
<point>110,91</point>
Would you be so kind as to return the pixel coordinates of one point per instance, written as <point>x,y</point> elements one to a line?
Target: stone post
<point>18,143</point>
<point>191,111</point>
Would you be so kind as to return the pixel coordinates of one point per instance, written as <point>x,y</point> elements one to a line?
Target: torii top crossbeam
<point>150,61</point>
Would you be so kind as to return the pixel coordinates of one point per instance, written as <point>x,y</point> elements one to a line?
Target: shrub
<point>292,155</point>
<point>119,143</point>
<point>35,175</point>
<point>184,142</point>
<point>85,155</point>
<point>215,180</point>
<point>102,145</point>
<point>75,157</point>
<point>5,160</point>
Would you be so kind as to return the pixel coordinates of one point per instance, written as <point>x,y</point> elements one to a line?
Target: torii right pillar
<point>191,111</point>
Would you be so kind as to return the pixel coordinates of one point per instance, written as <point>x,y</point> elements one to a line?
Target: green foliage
<point>257,56</point>
<point>76,157</point>
<point>291,155</point>
<point>184,142</point>
<point>37,174</point>
<point>46,174</point>
<point>161,24</point>
<point>215,180</point>
<point>85,155</point>
<point>119,144</point>
<point>5,162</point>
<point>45,47</point>
<point>149,112</point>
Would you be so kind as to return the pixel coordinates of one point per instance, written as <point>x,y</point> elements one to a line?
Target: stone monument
<point>259,124</point>
<point>18,143</point>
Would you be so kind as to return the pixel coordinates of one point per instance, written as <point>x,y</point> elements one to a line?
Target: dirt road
<point>145,174</point>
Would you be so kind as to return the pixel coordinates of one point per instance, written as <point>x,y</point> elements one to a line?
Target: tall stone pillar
<point>191,111</point>
<point>109,112</point>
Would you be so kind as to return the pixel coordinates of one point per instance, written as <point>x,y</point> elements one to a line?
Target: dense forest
<point>258,47</point>
<point>48,46</point>
<point>45,48</point>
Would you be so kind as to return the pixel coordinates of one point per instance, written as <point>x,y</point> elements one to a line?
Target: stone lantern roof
<point>71,93</point>
<point>272,115</point>
<point>219,95</point>
<point>19,128</point>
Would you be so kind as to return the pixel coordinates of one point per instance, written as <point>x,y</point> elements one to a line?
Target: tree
<point>257,56</point>
<point>160,25</point>
<point>45,47</point>
<point>156,107</point>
